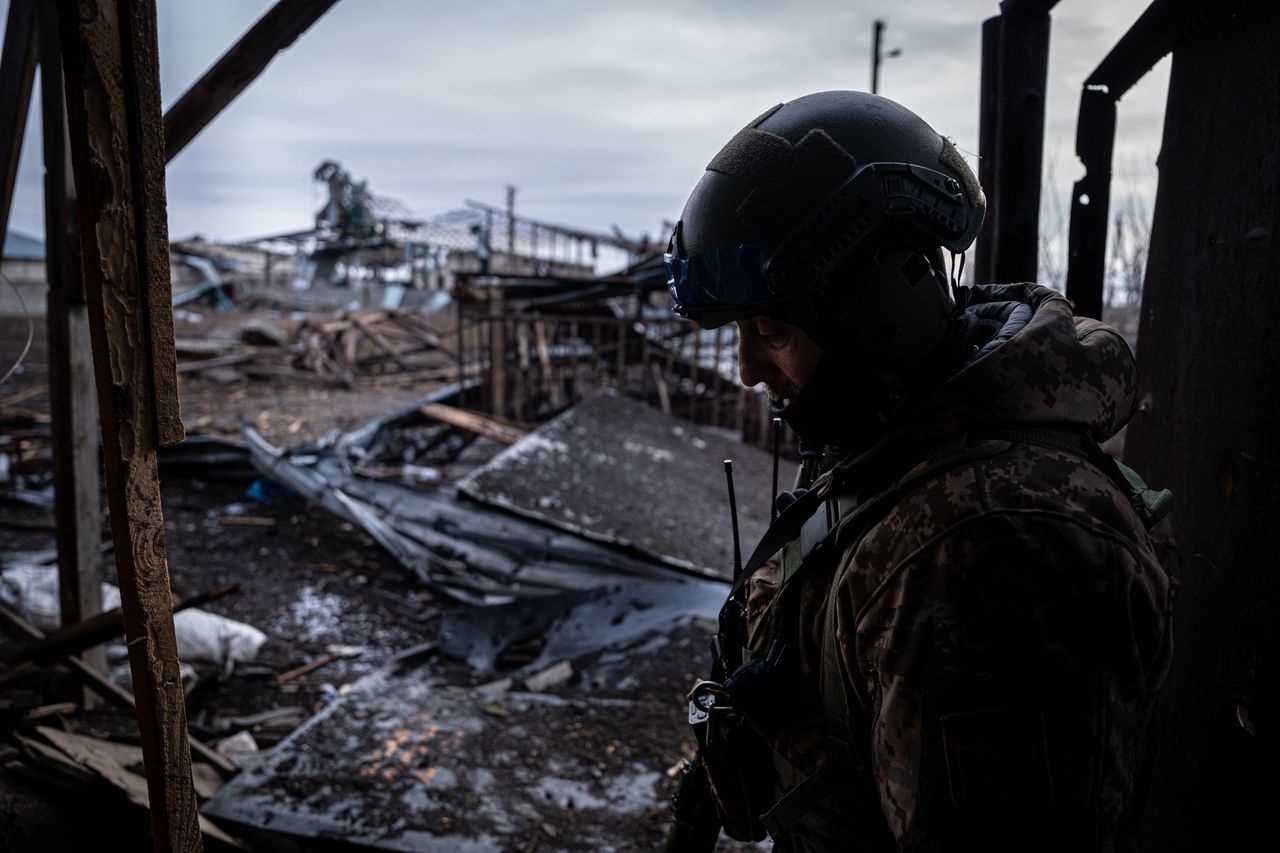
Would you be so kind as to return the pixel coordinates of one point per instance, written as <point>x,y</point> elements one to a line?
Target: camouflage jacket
<point>1002,628</point>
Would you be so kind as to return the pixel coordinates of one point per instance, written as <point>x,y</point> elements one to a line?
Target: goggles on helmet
<point>735,281</point>
<point>719,282</point>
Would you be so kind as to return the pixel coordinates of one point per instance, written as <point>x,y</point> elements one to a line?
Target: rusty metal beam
<point>236,69</point>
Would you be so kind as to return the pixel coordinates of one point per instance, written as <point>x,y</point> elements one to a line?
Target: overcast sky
<point>600,113</point>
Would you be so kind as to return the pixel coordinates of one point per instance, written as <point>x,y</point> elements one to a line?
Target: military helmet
<point>809,185</point>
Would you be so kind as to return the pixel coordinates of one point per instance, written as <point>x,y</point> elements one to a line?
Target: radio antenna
<point>733,514</point>
<point>777,439</point>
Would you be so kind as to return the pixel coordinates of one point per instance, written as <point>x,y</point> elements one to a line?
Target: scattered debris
<point>368,341</point>
<point>32,589</point>
<point>334,653</point>
<point>552,676</point>
<point>239,747</point>
<point>611,508</point>
<point>410,763</point>
<point>88,762</point>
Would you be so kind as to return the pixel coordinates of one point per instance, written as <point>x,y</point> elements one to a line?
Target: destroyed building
<point>404,531</point>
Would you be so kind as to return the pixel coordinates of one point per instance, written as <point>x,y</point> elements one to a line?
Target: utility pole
<point>511,228</point>
<point>878,55</point>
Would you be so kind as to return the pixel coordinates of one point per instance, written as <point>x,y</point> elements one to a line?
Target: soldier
<point>953,636</point>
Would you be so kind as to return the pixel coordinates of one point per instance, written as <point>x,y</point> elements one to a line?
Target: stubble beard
<point>782,395</point>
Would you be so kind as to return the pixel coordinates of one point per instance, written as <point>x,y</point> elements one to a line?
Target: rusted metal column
<point>117,145</point>
<point>73,405</point>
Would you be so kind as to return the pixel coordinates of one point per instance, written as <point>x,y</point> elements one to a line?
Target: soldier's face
<point>781,356</point>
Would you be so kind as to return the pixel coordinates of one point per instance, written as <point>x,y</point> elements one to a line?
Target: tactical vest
<point>836,807</point>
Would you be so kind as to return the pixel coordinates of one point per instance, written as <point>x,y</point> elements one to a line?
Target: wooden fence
<point>539,364</point>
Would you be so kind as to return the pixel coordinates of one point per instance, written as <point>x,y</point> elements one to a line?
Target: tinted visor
<point>717,287</point>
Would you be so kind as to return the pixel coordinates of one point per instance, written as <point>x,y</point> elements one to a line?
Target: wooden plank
<point>17,71</point>
<point>48,756</point>
<point>73,404</point>
<point>111,762</point>
<point>236,69</point>
<point>472,422</point>
<point>231,358</point>
<point>660,383</point>
<point>111,71</point>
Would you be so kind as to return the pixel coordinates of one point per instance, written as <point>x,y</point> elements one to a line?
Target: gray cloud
<point>599,113</point>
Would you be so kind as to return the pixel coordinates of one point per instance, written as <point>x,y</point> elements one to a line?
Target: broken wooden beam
<point>472,422</point>
<point>228,360</point>
<point>111,75</point>
<point>93,631</point>
<point>17,71</point>
<point>236,69</point>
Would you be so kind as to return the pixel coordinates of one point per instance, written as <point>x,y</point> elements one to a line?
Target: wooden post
<point>554,392</point>
<point>237,68</point>
<point>497,353</point>
<point>519,333</point>
<point>112,86</point>
<point>73,407</point>
<point>17,70</point>
<point>462,352</point>
<point>660,385</point>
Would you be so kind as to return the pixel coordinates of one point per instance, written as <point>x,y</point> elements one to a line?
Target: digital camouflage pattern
<point>1004,627</point>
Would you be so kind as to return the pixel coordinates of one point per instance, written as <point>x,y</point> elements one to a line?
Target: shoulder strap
<point>1150,504</point>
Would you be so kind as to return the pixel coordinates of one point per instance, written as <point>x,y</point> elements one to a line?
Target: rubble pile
<point>443,569</point>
